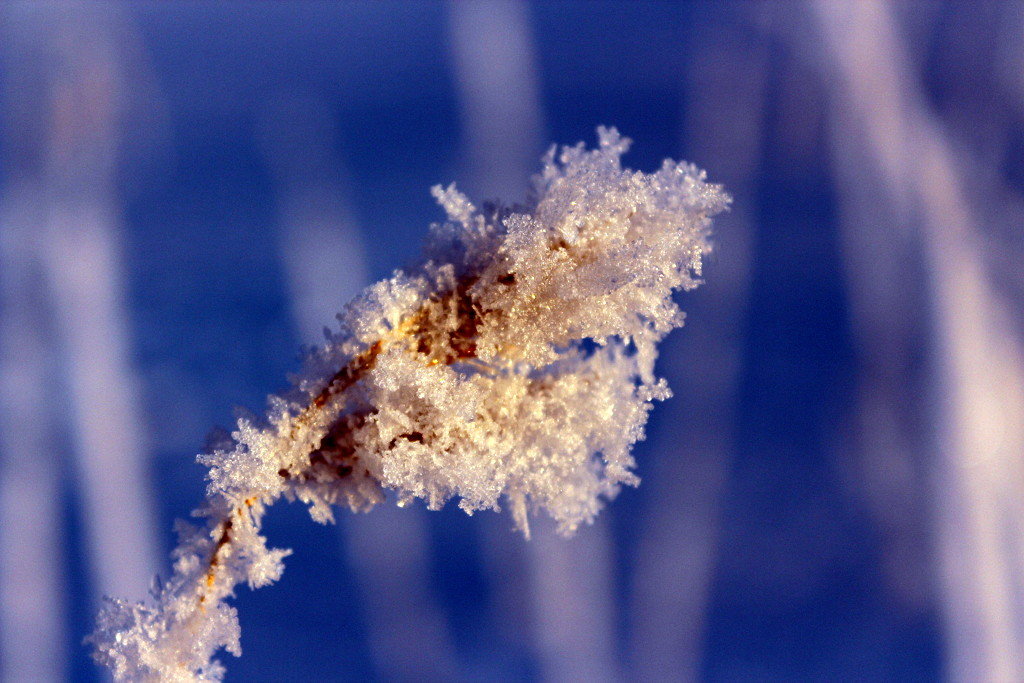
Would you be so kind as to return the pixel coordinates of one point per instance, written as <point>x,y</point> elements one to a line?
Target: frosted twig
<point>561,302</point>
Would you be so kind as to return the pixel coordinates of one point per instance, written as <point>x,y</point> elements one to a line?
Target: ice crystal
<point>514,367</point>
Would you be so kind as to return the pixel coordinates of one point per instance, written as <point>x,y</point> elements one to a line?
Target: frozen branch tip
<point>513,368</point>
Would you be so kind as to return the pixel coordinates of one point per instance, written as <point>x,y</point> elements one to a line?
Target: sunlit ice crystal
<point>514,367</point>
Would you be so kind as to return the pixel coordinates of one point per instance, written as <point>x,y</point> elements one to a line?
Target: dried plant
<point>514,367</point>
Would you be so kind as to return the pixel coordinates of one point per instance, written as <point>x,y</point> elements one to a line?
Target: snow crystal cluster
<point>513,368</point>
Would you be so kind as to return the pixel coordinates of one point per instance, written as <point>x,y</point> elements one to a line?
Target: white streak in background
<point>84,271</point>
<point>493,57</point>
<point>886,326</point>
<point>983,55</point>
<point>325,261</point>
<point>573,602</point>
<point>570,580</point>
<point>408,631</point>
<point>32,582</point>
<point>325,265</point>
<point>980,485</point>
<point>675,557</point>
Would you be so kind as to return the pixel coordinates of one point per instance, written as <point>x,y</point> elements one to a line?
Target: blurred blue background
<point>189,191</point>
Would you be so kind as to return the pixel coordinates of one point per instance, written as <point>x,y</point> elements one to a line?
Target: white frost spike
<point>516,367</point>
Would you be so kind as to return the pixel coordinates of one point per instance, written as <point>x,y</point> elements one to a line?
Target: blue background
<point>798,564</point>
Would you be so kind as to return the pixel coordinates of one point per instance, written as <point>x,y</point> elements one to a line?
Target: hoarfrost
<point>514,367</point>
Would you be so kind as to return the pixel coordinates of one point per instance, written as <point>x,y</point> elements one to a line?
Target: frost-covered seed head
<point>513,368</point>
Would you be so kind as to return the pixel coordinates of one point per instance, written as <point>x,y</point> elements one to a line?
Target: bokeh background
<point>189,191</point>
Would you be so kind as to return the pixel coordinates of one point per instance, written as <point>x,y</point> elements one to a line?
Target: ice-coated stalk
<point>514,366</point>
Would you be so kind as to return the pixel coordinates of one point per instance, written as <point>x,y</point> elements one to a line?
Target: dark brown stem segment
<point>461,346</point>
<point>342,380</point>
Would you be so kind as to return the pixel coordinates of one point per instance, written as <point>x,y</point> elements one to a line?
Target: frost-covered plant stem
<point>514,366</point>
